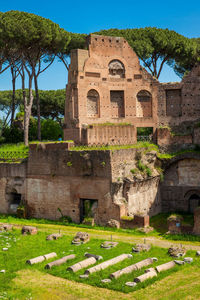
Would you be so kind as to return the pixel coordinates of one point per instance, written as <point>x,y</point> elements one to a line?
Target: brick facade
<point>106,84</point>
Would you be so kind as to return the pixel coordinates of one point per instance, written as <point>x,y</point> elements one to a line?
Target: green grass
<point>26,247</point>
<point>13,153</point>
<point>13,147</point>
<point>110,124</point>
<point>138,145</point>
<point>12,219</point>
<point>158,222</point>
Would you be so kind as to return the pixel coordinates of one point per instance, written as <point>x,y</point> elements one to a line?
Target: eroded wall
<point>181,185</point>
<point>12,180</point>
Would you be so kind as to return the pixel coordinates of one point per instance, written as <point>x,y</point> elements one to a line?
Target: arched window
<point>116,69</point>
<point>93,104</point>
<point>144,104</point>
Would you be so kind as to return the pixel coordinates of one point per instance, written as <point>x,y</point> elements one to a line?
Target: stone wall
<point>56,177</point>
<point>143,197</point>
<point>169,142</point>
<point>180,190</point>
<point>12,182</point>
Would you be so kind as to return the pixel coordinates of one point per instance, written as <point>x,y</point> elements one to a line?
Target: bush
<point>12,135</point>
<point>50,130</point>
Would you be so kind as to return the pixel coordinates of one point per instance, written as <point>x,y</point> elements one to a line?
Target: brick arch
<point>93,99</point>
<point>144,104</point>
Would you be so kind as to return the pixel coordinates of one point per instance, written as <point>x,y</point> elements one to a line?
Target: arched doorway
<point>194,202</point>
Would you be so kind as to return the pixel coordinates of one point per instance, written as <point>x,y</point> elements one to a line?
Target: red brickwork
<point>107,84</point>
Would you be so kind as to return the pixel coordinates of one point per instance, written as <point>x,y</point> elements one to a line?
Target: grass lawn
<point>16,283</point>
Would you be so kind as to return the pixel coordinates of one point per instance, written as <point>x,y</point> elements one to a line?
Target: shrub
<point>88,221</point>
<point>12,135</point>
<point>50,130</point>
<point>66,219</point>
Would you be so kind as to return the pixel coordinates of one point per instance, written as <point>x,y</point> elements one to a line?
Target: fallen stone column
<point>97,257</point>
<point>35,260</point>
<point>165,266</point>
<point>82,264</point>
<point>107,263</point>
<point>60,261</point>
<point>50,255</point>
<point>132,268</point>
<point>53,236</point>
<point>146,276</point>
<point>41,258</point>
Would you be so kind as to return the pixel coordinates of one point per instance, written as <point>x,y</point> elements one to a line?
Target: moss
<point>110,124</point>
<point>127,218</point>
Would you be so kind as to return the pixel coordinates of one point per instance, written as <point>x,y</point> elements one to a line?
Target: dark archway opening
<point>88,208</point>
<point>194,202</point>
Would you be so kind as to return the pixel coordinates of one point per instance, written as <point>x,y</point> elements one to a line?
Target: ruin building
<point>107,85</point>
<point>108,97</point>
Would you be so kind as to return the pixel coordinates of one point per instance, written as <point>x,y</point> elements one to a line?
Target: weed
<point>69,163</point>
<point>141,166</point>
<point>148,171</point>
<point>133,171</point>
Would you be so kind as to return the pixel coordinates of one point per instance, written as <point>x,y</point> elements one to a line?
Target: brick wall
<point>114,135</point>
<point>91,70</point>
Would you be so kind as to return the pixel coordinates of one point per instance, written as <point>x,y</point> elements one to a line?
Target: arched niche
<point>93,104</point>
<point>116,69</point>
<point>193,199</point>
<point>144,104</point>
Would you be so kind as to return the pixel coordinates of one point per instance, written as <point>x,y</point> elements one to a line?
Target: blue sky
<point>90,16</point>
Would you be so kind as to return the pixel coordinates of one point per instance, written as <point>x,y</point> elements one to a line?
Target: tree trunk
<point>13,95</point>
<point>38,108</point>
<point>26,122</point>
<point>27,104</point>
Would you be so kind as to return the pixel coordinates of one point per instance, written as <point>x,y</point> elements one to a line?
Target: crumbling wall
<point>12,180</point>
<point>59,178</point>
<point>181,184</point>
